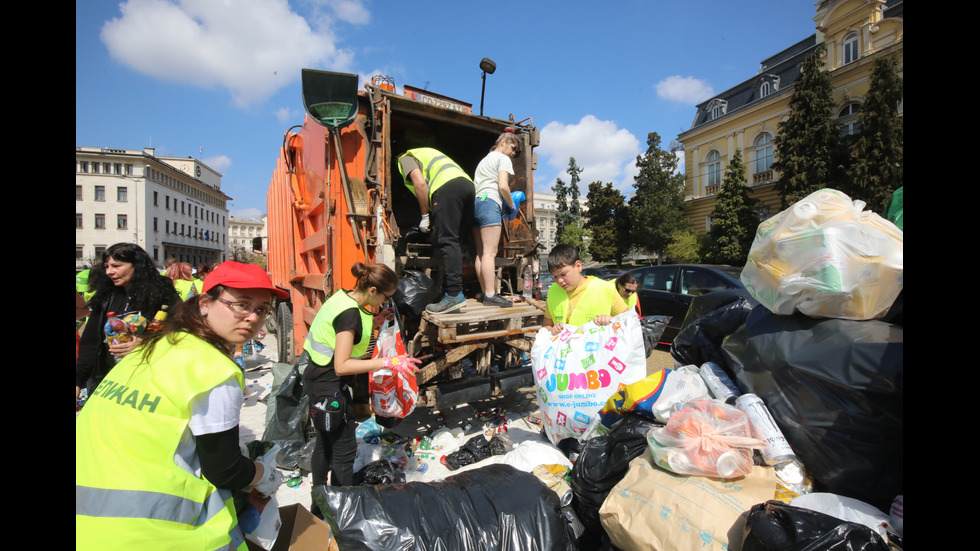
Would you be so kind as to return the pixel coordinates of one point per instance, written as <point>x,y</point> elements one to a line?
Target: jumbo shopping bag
<point>392,394</point>
<point>578,370</point>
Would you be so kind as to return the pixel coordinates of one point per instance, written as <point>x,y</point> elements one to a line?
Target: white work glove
<point>424,224</point>
<point>271,477</point>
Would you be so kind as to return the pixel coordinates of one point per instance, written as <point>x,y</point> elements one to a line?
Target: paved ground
<point>517,406</point>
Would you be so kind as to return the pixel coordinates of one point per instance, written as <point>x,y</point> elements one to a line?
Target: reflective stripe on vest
<point>444,171</point>
<point>130,493</point>
<point>322,339</point>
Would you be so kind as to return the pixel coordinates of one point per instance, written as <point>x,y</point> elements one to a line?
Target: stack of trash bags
<point>817,338</point>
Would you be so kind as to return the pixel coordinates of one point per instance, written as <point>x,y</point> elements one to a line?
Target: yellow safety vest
<point>322,339</point>
<point>437,169</point>
<point>185,288</point>
<point>596,301</point>
<point>129,492</point>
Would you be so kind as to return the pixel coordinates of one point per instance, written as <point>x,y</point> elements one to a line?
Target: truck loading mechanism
<point>336,198</point>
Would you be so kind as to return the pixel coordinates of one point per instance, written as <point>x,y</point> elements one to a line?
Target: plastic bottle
<point>764,428</point>
<point>158,319</point>
<point>527,283</point>
<point>718,382</point>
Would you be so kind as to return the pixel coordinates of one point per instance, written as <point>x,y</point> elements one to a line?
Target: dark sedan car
<point>668,290</point>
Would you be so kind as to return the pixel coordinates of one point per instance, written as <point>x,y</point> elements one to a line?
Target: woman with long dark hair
<point>156,445</point>
<point>126,281</point>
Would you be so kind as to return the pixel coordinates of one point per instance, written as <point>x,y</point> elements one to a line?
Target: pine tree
<point>608,223</point>
<point>733,221</point>
<point>573,172</point>
<point>561,214</point>
<point>807,143</point>
<point>657,207</point>
<point>878,167</point>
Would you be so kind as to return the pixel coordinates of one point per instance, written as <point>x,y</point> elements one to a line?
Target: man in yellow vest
<point>576,299</point>
<point>446,193</point>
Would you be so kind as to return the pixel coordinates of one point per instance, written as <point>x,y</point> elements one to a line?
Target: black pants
<point>451,215</point>
<point>336,447</point>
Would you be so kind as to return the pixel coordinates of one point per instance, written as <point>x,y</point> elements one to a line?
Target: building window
<point>106,168</point>
<point>712,172</point>
<point>100,221</point>
<point>122,194</point>
<point>168,202</point>
<point>99,192</point>
<point>716,108</point>
<point>156,199</point>
<point>95,168</point>
<point>764,90</point>
<point>83,166</point>
<point>716,112</point>
<point>78,193</point>
<point>848,120</point>
<point>166,226</point>
<point>117,169</point>
<point>79,252</point>
<point>121,221</point>
<point>156,224</point>
<point>78,220</point>
<point>850,48</point>
<point>763,153</point>
<point>129,170</point>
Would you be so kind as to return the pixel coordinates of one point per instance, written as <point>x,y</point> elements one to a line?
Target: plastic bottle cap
<point>727,464</point>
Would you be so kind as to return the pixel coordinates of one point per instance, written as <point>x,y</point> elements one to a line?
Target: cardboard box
<point>300,531</point>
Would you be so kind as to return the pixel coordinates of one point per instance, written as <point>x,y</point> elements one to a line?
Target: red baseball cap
<point>241,276</point>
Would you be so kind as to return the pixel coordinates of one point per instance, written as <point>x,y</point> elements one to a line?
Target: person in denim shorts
<point>493,177</point>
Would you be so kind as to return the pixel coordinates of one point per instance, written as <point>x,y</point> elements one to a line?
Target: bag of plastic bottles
<point>826,257</point>
<point>393,394</point>
<point>705,438</point>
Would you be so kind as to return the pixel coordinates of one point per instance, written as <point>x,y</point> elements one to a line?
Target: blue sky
<point>222,76</point>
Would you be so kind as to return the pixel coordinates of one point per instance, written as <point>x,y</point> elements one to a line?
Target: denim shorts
<point>487,213</point>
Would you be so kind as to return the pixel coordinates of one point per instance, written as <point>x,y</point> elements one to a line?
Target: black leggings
<point>452,213</point>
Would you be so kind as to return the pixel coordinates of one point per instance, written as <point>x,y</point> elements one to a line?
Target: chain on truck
<point>336,198</point>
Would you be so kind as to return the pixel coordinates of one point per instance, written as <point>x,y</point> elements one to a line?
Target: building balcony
<point>763,178</point>
<point>712,190</point>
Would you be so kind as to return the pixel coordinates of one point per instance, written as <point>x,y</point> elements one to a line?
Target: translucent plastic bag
<point>706,438</point>
<point>826,257</point>
<point>393,394</point>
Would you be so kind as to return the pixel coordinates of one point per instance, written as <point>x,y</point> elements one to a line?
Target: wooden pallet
<point>478,322</point>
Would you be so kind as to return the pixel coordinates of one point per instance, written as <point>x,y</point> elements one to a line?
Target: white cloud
<point>221,163</point>
<point>603,151</point>
<point>285,115</point>
<point>687,90</point>
<point>248,47</point>
<point>351,11</point>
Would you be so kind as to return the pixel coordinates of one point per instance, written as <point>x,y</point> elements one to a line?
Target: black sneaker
<point>497,300</point>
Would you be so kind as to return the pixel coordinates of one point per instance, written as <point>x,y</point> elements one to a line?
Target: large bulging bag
<point>392,393</point>
<point>828,258</point>
<point>578,370</point>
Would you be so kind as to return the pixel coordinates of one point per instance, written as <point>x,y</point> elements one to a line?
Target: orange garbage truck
<point>336,197</point>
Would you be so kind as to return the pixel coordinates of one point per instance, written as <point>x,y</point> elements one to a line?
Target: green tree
<point>657,207</point>
<point>807,143</point>
<point>878,167</point>
<point>733,220</point>
<point>573,192</point>
<point>562,217</point>
<point>608,222</point>
<point>684,248</point>
<point>576,235</point>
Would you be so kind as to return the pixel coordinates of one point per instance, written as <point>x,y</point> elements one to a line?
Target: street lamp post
<point>487,66</point>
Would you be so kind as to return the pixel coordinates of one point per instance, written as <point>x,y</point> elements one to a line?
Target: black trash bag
<point>474,450</point>
<point>775,525</point>
<point>653,328</point>
<point>387,422</point>
<point>415,291</point>
<point>492,507</point>
<point>288,426</point>
<point>602,463</point>
<point>381,472</point>
<point>710,319</point>
<point>835,388</point>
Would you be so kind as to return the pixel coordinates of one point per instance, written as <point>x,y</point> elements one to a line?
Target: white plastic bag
<point>577,370</point>
<point>826,257</point>
<point>265,529</point>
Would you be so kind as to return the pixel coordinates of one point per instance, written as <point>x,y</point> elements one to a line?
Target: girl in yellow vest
<point>180,274</point>
<point>338,338</point>
<point>156,445</point>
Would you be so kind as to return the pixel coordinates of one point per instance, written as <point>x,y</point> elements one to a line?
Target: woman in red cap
<point>157,450</point>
